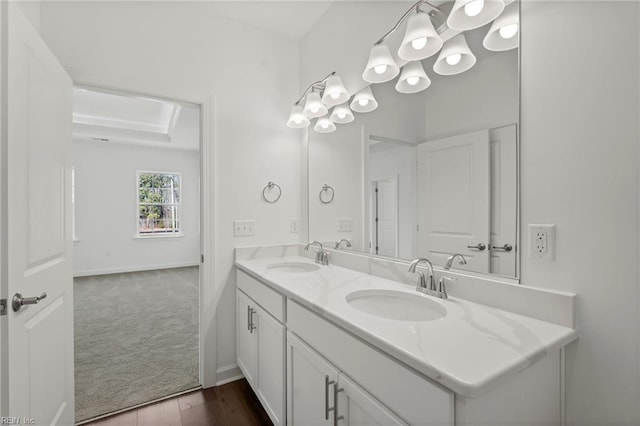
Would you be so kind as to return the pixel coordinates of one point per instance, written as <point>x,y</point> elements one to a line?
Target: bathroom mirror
<point>427,174</point>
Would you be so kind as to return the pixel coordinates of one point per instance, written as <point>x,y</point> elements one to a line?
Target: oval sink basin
<point>293,267</point>
<point>396,305</point>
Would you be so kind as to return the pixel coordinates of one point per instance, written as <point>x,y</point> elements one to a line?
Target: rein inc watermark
<point>17,421</point>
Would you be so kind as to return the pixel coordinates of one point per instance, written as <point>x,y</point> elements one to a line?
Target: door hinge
<point>3,307</point>
<point>202,258</point>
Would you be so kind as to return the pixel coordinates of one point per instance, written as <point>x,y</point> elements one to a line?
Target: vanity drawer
<point>411,396</point>
<point>270,300</point>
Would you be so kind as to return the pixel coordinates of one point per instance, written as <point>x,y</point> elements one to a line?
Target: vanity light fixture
<point>421,40</point>
<point>334,93</point>
<point>297,119</point>
<point>413,78</point>
<point>471,14</point>
<point>314,107</point>
<point>503,34</point>
<point>324,125</point>
<point>381,66</point>
<point>341,114</point>
<point>455,57</point>
<point>364,101</point>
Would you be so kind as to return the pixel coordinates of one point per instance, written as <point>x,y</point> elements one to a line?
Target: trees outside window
<point>159,203</point>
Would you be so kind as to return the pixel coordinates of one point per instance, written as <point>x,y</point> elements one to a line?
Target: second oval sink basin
<point>293,267</point>
<point>396,305</point>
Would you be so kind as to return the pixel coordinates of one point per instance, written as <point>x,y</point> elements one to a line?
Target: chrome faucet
<point>322,257</point>
<point>422,284</point>
<point>347,243</point>
<point>462,261</point>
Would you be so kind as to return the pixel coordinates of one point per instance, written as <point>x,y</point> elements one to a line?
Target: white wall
<point>106,208</point>
<point>579,171</point>
<point>186,50</point>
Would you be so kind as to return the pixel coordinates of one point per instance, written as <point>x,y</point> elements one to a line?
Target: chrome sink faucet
<point>345,241</point>
<point>429,288</point>
<point>450,259</point>
<point>322,257</point>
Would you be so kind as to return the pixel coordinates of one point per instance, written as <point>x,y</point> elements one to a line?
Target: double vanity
<point>326,344</point>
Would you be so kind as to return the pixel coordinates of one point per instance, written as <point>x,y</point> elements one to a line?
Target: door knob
<point>506,247</point>
<point>479,246</point>
<point>18,301</point>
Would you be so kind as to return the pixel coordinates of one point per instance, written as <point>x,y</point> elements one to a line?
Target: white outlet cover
<point>542,241</point>
<point>295,225</point>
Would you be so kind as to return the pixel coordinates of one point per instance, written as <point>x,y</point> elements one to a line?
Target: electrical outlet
<point>244,228</point>
<point>295,225</point>
<point>345,225</point>
<point>542,241</point>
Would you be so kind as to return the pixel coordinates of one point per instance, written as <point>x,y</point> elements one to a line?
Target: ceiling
<point>108,117</point>
<point>292,19</point>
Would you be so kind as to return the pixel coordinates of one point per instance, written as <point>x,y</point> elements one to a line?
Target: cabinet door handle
<point>327,409</point>
<point>248,318</point>
<point>252,326</point>
<point>336,391</point>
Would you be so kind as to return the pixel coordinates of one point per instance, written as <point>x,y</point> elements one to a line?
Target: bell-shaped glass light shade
<point>413,78</point>
<point>341,114</point>
<point>381,66</point>
<point>471,14</point>
<point>335,93</point>
<point>420,39</point>
<point>364,101</point>
<point>324,125</point>
<point>455,57</point>
<point>314,107</point>
<point>503,34</point>
<point>297,120</point>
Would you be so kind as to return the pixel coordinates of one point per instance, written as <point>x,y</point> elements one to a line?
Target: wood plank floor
<point>229,405</point>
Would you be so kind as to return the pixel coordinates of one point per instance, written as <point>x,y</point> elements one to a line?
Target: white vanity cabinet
<point>260,343</point>
<point>319,394</point>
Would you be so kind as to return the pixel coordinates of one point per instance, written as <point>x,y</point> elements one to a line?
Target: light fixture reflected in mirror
<point>364,101</point>
<point>324,125</point>
<point>471,14</point>
<point>413,78</point>
<point>381,66</point>
<point>334,93</point>
<point>420,39</point>
<point>503,34</point>
<point>341,114</point>
<point>314,107</point>
<point>455,57</point>
<point>297,120</point>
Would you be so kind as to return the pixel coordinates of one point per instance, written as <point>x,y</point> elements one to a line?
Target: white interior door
<point>504,194</point>
<point>39,365</point>
<point>385,210</point>
<point>453,199</point>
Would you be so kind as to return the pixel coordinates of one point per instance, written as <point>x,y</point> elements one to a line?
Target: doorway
<point>136,226</point>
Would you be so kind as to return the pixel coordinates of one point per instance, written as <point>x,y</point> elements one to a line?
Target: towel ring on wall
<point>326,194</point>
<point>269,190</point>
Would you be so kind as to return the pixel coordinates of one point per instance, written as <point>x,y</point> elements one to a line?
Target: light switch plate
<point>542,241</point>
<point>345,225</point>
<point>244,228</point>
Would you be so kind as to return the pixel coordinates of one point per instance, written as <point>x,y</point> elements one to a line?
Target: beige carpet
<point>136,338</point>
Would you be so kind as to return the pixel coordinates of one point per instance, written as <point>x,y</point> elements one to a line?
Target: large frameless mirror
<point>431,173</point>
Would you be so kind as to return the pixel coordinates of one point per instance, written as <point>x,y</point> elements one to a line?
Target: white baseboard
<point>133,269</point>
<point>228,374</point>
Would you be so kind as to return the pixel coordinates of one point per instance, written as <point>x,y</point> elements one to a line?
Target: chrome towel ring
<point>271,192</point>
<point>326,194</point>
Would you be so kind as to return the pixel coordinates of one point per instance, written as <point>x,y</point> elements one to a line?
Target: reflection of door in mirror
<point>467,199</point>
<point>384,216</point>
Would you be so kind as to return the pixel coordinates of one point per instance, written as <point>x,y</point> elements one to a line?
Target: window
<point>158,203</point>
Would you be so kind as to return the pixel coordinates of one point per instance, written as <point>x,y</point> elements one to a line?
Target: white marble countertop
<point>469,350</point>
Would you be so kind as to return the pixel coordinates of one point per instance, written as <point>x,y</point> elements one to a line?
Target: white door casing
<point>504,199</point>
<point>39,366</point>
<point>453,199</point>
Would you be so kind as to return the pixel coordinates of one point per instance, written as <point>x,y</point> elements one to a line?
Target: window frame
<point>179,233</point>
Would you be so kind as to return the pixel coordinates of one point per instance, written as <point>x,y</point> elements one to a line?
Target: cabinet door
<point>246,337</point>
<point>310,385</point>
<point>357,407</point>
<point>271,365</point>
